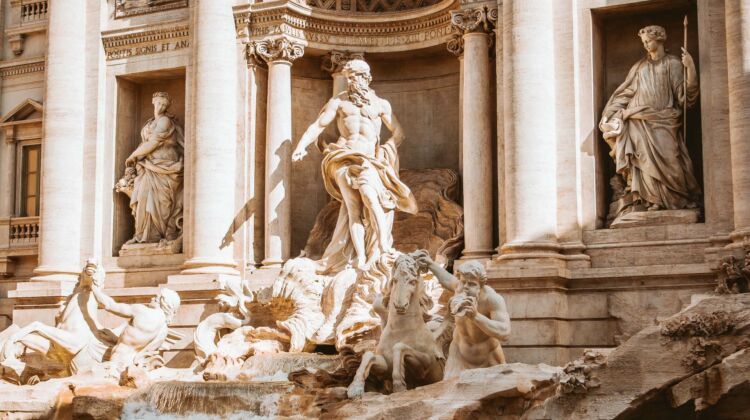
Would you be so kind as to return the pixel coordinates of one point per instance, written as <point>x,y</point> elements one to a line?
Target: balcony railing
<point>33,11</point>
<point>24,230</point>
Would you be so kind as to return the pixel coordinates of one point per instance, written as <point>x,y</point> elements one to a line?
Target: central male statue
<point>360,172</point>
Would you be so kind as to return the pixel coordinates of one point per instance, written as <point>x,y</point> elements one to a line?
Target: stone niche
<point>423,89</point>
<point>616,47</point>
<point>134,108</point>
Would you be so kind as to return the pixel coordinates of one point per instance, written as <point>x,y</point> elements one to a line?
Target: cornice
<point>146,39</point>
<point>329,30</point>
<point>22,67</point>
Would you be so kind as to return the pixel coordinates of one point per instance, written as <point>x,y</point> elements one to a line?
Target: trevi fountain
<point>375,209</point>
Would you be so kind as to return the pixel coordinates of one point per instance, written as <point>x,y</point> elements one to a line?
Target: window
<point>30,177</point>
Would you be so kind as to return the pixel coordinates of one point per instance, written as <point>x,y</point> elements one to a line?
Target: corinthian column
<point>530,133</point>
<point>475,27</point>
<point>279,53</point>
<point>213,157</point>
<point>62,147</point>
<point>334,61</point>
<point>738,61</point>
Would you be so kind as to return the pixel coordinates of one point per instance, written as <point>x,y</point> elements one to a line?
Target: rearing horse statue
<point>406,344</point>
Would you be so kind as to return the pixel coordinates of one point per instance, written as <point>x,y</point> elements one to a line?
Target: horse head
<point>407,286</point>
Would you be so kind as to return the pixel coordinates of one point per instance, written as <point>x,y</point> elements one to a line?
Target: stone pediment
<point>28,110</point>
<point>317,28</point>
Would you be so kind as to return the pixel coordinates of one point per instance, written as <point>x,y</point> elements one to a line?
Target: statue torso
<point>360,126</point>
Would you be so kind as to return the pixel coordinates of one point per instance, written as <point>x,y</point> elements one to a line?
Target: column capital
<point>335,60</point>
<point>479,19</point>
<point>274,49</point>
<point>455,45</point>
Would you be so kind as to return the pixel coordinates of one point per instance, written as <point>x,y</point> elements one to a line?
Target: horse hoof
<point>399,386</point>
<point>355,390</point>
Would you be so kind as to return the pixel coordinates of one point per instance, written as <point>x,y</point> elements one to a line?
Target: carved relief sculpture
<point>125,8</point>
<point>642,123</point>
<point>482,321</point>
<point>154,180</point>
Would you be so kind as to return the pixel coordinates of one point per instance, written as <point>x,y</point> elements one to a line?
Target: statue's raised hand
<point>687,59</point>
<point>298,155</point>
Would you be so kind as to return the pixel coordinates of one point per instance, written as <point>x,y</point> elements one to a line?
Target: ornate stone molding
<point>146,39</point>
<point>123,9</point>
<point>321,29</point>
<point>335,60</point>
<point>479,19</point>
<point>11,69</point>
<point>275,49</point>
<point>456,44</point>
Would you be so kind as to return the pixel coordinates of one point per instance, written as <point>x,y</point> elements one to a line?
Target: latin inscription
<point>147,49</point>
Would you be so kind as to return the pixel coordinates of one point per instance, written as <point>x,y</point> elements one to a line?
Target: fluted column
<point>214,142</point>
<point>278,53</point>
<point>738,61</point>
<point>530,132</point>
<point>334,62</point>
<point>62,144</point>
<point>475,27</point>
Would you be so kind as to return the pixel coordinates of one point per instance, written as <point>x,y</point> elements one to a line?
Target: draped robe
<point>156,200</point>
<point>651,154</point>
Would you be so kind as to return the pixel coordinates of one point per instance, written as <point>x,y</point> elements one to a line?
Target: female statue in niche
<point>153,177</point>
<point>642,123</point>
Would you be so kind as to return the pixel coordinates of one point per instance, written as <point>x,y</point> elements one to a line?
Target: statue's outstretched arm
<point>390,121</point>
<point>446,279</point>
<point>326,117</point>
<point>497,325</point>
<point>120,309</point>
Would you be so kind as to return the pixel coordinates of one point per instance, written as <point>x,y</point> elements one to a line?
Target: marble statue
<point>140,339</point>
<point>482,321</point>
<point>407,352</point>
<point>642,123</point>
<point>77,340</point>
<point>154,177</point>
<point>79,343</point>
<point>360,172</point>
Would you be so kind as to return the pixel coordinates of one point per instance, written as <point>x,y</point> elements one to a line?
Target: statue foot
<point>654,207</point>
<point>399,385</point>
<point>356,389</point>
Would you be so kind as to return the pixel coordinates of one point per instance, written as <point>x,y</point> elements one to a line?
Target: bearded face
<point>358,88</point>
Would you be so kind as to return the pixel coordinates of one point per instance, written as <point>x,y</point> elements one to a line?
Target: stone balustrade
<point>24,231</point>
<point>34,11</point>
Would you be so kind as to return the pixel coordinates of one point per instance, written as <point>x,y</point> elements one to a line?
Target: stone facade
<point>507,94</point>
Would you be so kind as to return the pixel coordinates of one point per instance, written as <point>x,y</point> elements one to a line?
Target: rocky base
<point>695,364</point>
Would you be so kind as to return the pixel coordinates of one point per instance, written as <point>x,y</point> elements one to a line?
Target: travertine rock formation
<point>695,360</point>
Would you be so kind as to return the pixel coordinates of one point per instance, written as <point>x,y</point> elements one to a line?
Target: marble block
<point>156,248</point>
<point>656,218</point>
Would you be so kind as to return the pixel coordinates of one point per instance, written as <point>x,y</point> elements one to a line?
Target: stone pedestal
<point>214,142</point>
<point>655,218</point>
<point>62,160</point>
